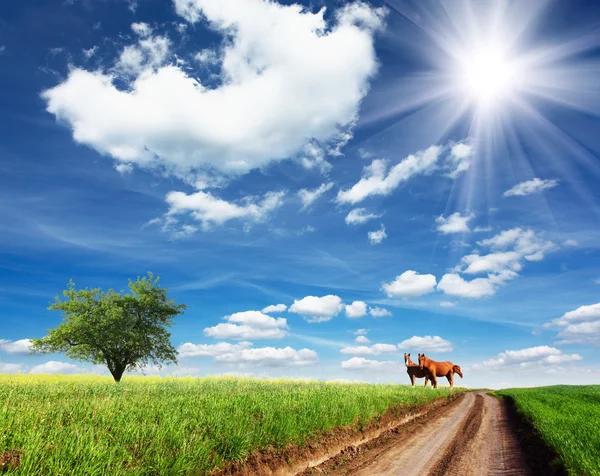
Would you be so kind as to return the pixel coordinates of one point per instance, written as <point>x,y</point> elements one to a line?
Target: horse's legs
<point>425,386</point>
<point>450,378</point>
<point>412,379</point>
<point>434,380</point>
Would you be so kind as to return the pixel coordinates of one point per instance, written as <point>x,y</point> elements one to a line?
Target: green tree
<point>121,331</point>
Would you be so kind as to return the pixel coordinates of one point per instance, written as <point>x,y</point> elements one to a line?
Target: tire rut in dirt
<point>461,442</point>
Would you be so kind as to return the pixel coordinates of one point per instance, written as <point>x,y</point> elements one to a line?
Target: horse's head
<point>422,360</point>
<point>406,359</point>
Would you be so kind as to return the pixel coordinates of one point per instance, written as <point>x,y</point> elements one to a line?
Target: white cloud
<point>356,309</point>
<point>571,243</point>
<point>210,210</point>
<point>362,340</point>
<point>308,197</point>
<point>426,344</point>
<point>249,325</point>
<point>243,354</point>
<point>447,304</point>
<point>597,281</point>
<point>460,158</point>
<point>376,237</point>
<point>207,57</point>
<point>88,53</point>
<point>481,229</point>
<point>21,346</point>
<point>54,367</point>
<point>581,326</point>
<point>582,333</point>
<point>535,185</point>
<point>2,49</point>
<point>150,53</point>
<point>361,332</point>
<point>360,363</point>
<point>581,314</point>
<point>141,29</point>
<point>378,180</point>
<point>10,368</point>
<point>510,249</point>
<point>274,308</point>
<point>410,284</point>
<point>270,357</point>
<point>530,357</point>
<point>124,168</point>
<point>375,349</point>
<point>317,309</point>
<point>359,216</point>
<point>211,350</point>
<point>455,223</point>
<point>379,312</point>
<point>288,77</point>
<point>453,285</point>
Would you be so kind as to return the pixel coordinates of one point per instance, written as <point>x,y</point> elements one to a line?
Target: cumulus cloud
<point>210,210</point>
<point>361,332</point>
<point>210,350</point>
<point>410,284</point>
<point>447,304</point>
<point>359,216</point>
<point>15,347</point>
<point>287,77</point>
<point>375,349</point>
<point>426,344</point>
<point>529,187</point>
<point>274,308</point>
<point>530,357</point>
<point>455,223</point>
<point>571,243</point>
<point>362,340</point>
<point>360,363</point>
<point>141,29</point>
<point>317,309</point>
<point>378,180</point>
<point>270,357</point>
<point>356,309</point>
<point>379,312</point>
<point>249,325</point>
<point>581,326</point>
<point>308,197</point>
<point>10,368</point>
<point>376,237</point>
<point>454,285</point>
<point>460,158</point>
<point>54,367</point>
<point>508,252</point>
<point>243,354</point>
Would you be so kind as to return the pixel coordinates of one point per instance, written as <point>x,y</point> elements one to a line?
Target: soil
<point>475,437</point>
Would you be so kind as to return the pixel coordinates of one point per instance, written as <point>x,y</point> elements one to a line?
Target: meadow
<point>567,418</point>
<point>151,425</point>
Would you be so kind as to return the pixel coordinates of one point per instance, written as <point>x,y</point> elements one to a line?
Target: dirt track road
<point>472,437</point>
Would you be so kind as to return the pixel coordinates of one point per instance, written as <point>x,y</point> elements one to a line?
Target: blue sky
<point>418,174</point>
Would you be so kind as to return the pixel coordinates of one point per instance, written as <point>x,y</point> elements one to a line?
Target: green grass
<point>568,420</point>
<point>145,425</point>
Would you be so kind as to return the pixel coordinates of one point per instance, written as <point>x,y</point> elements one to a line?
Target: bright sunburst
<point>491,67</point>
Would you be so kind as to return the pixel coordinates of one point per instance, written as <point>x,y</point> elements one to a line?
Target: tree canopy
<point>122,331</point>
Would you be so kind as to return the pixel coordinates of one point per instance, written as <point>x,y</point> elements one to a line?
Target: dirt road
<point>472,437</point>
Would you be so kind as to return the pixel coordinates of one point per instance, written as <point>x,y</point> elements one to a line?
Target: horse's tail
<point>457,370</point>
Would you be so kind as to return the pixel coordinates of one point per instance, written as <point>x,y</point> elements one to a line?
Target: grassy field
<point>568,420</point>
<point>145,425</point>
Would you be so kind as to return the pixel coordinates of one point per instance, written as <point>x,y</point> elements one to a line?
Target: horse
<point>439,369</point>
<point>414,372</point>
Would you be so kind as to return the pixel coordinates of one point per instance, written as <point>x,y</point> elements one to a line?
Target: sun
<point>487,75</point>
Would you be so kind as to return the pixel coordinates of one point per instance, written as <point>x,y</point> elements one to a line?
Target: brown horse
<point>439,369</point>
<point>414,372</point>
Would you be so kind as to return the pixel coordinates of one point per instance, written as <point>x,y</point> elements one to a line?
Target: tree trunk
<point>117,373</point>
